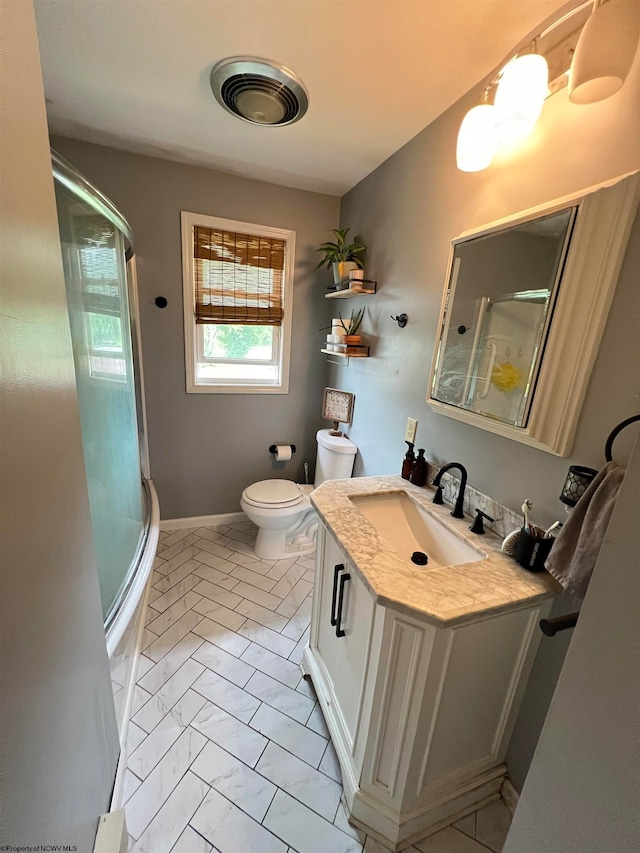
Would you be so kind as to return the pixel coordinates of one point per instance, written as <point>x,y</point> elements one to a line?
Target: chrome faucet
<point>437,498</point>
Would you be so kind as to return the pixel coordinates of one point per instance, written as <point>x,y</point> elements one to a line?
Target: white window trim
<point>188,220</point>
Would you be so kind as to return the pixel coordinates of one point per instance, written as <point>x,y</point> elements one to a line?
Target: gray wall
<point>206,448</point>
<point>584,776</point>
<point>406,212</point>
<point>59,741</point>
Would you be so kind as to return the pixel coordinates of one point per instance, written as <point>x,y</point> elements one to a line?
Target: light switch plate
<point>410,434</point>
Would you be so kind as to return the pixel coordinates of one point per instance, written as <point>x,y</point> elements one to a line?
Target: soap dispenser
<point>407,463</point>
<point>419,470</point>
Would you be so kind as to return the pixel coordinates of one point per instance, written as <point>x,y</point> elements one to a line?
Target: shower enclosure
<point>97,251</point>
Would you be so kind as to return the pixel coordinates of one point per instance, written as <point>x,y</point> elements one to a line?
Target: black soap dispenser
<point>407,462</point>
<point>419,470</point>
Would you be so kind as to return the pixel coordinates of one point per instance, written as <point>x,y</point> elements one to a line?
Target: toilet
<point>281,509</point>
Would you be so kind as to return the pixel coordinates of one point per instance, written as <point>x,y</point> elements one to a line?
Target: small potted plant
<point>351,326</point>
<point>341,257</point>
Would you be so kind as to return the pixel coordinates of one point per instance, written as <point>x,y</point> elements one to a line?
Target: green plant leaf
<point>351,326</point>
<point>340,250</point>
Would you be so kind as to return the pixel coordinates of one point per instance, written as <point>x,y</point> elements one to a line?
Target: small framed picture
<point>337,405</point>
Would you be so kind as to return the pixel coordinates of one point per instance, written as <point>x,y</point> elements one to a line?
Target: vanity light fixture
<point>605,51</point>
<point>477,138</point>
<point>522,88</point>
<point>605,45</point>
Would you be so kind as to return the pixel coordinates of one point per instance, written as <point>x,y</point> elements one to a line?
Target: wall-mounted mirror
<point>523,311</point>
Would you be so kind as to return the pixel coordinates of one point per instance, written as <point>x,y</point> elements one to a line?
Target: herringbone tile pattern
<point>228,750</point>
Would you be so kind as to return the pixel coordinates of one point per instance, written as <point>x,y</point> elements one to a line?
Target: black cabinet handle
<point>336,571</point>
<point>343,580</point>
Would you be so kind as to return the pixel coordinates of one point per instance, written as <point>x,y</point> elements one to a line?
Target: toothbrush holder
<point>532,551</point>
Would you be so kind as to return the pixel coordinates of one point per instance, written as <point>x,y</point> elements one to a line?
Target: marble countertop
<point>443,596</point>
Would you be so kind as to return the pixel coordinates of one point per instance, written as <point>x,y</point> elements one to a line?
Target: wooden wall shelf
<point>363,352</point>
<point>371,288</point>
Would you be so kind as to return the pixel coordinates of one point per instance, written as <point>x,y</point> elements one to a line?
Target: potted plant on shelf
<point>341,257</point>
<point>351,326</point>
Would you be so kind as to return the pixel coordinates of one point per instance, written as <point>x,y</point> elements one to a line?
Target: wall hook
<point>160,301</point>
<point>401,320</point>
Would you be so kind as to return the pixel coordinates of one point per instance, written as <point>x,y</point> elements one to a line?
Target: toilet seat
<point>274,494</point>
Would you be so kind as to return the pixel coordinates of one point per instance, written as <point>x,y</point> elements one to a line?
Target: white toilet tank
<point>335,457</point>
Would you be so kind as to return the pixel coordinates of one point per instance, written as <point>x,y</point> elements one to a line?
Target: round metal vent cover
<point>259,91</point>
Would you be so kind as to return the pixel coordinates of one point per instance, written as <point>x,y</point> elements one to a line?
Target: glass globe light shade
<point>476,139</point>
<point>605,51</point>
<point>520,95</point>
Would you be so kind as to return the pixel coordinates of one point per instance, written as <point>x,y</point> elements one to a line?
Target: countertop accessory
<point>531,551</point>
<point>509,543</point>
<point>419,469</point>
<point>437,498</point>
<point>401,320</point>
<point>576,484</point>
<point>407,462</point>
<point>478,526</point>
<point>554,526</point>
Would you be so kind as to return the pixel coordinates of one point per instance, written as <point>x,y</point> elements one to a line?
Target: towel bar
<point>550,627</point>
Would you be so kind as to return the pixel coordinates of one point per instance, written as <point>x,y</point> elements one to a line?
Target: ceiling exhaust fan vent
<point>259,91</point>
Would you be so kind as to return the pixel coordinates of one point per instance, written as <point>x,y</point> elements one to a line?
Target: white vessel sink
<point>408,528</point>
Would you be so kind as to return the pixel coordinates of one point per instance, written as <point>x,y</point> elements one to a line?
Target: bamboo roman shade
<point>238,278</point>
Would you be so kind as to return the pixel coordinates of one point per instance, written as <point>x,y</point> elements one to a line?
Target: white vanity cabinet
<point>420,715</point>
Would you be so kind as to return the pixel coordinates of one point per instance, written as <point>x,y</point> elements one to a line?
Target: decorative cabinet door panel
<point>345,657</point>
<point>352,650</point>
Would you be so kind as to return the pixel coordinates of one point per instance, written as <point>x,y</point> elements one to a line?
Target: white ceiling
<point>134,74</point>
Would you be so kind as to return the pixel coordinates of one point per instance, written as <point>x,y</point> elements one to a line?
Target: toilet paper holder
<point>274,447</point>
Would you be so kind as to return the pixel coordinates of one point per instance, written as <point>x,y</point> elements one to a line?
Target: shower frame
<point>131,593</point>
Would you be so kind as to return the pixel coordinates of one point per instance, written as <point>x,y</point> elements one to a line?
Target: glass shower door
<point>93,253</point>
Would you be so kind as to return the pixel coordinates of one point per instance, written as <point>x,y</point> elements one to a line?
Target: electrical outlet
<point>410,434</point>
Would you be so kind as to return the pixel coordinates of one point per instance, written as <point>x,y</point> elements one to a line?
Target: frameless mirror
<point>501,292</point>
<point>524,307</point>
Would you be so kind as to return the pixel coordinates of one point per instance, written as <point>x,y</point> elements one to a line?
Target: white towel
<point>575,551</point>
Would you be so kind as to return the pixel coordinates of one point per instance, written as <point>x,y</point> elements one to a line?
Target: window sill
<point>207,388</point>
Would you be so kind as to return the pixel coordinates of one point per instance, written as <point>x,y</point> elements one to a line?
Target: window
<point>238,284</point>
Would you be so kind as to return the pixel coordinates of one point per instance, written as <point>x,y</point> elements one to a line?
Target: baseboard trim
<point>509,795</point>
<point>202,520</point>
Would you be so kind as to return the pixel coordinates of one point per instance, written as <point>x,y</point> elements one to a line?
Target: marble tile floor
<point>228,750</point>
